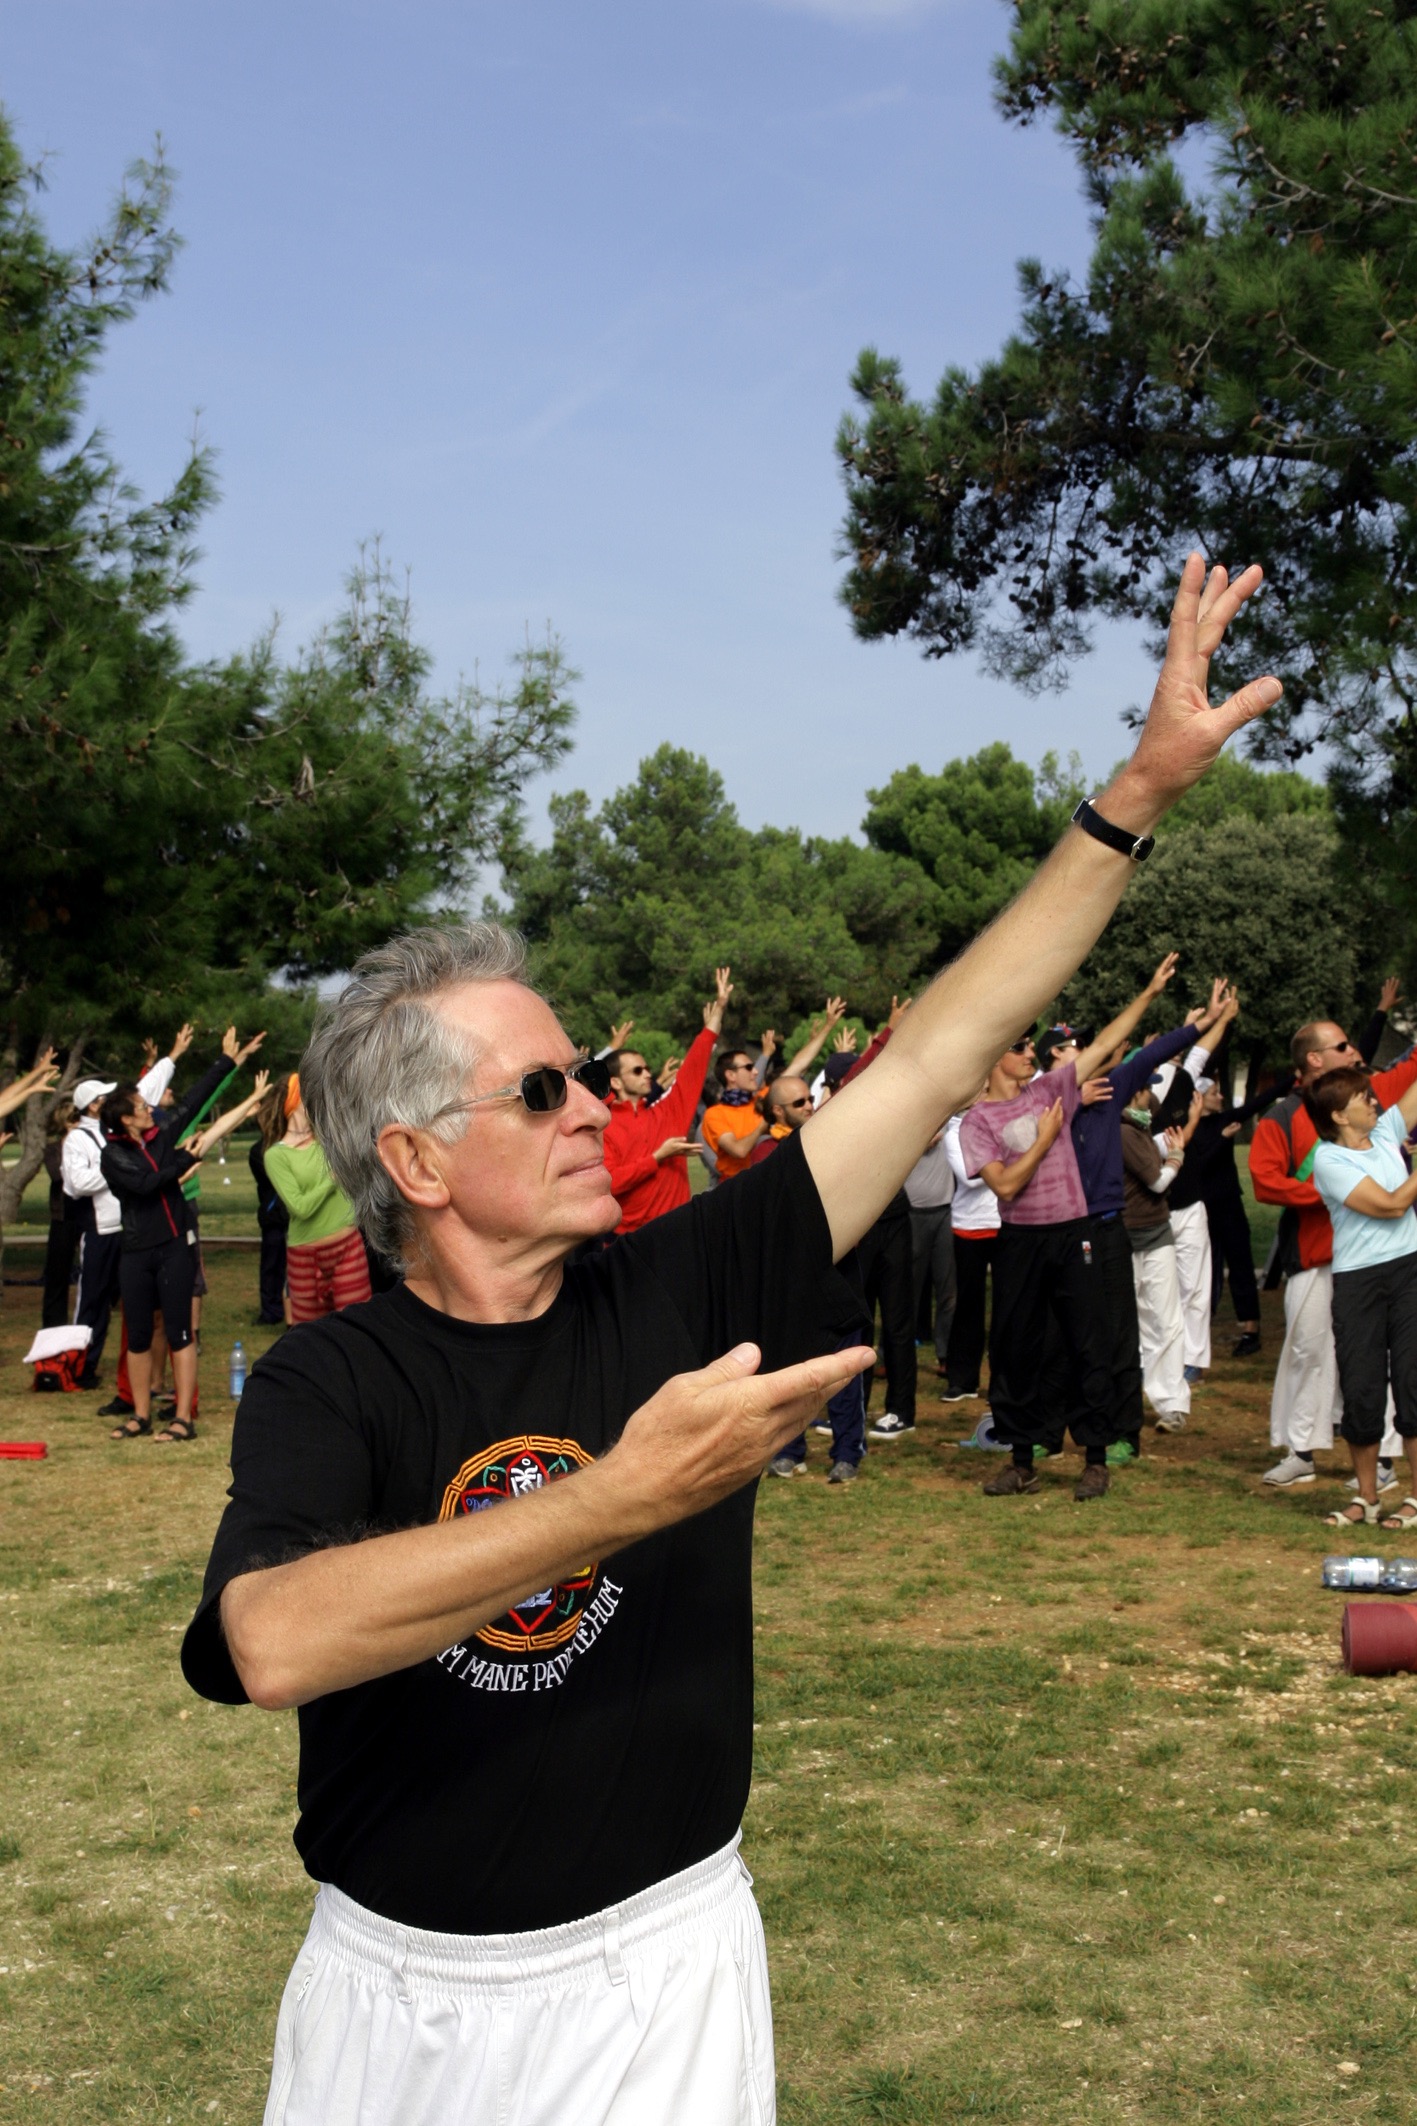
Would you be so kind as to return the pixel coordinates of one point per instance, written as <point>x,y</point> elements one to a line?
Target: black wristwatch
<point>1137,846</point>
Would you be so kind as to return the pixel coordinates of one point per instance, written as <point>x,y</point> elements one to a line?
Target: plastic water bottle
<point>1396,1576</point>
<point>238,1374</point>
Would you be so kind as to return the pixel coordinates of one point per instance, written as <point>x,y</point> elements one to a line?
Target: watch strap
<point>1136,846</point>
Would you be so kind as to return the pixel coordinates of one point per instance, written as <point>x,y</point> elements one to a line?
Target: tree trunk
<point>29,1125</point>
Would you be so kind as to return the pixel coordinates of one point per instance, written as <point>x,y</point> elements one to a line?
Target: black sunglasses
<point>1016,1048</point>
<point>543,1090</point>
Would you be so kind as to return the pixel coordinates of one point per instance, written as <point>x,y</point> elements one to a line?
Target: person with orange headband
<point>325,1263</point>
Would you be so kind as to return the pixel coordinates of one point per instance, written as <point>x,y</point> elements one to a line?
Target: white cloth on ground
<point>653,2011</point>
<point>1190,1229</point>
<point>1163,1375</point>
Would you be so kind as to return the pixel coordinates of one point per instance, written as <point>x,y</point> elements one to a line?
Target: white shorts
<point>653,2012</point>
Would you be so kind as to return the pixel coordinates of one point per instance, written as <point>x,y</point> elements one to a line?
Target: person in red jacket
<point>648,1148</point>
<point>1306,1402</point>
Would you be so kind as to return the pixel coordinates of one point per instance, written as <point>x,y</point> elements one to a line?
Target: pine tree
<point>1238,369</point>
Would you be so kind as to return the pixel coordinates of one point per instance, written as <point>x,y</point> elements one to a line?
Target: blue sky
<point>560,299</point>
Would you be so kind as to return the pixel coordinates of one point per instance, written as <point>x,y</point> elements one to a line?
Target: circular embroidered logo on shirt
<point>509,1470</point>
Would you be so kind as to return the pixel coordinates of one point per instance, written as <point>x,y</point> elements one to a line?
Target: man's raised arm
<point>862,1145</point>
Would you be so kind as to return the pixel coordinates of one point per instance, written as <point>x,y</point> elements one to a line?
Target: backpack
<point>58,1357</point>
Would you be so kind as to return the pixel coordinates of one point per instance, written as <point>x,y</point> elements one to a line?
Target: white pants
<point>654,2013</point>
<point>1190,1229</point>
<point>1163,1350</point>
<point>1307,1402</point>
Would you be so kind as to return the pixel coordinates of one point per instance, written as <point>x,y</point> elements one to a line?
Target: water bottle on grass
<point>1396,1576</point>
<point>238,1369</point>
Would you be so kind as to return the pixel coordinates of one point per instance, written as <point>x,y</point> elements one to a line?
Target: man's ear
<point>412,1160</point>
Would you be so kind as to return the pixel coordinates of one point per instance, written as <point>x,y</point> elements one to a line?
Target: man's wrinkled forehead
<point>507,1026</point>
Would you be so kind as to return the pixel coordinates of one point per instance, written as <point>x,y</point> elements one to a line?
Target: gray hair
<point>380,1053</point>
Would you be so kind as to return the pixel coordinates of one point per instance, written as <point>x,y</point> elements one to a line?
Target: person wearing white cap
<point>100,1220</point>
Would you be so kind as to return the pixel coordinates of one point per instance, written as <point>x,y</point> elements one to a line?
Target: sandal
<point>1358,1513</point>
<point>1405,1516</point>
<point>178,1428</point>
<point>132,1428</point>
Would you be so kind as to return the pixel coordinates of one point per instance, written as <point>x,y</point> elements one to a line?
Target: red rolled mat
<point>22,1450</point>
<point>1379,1638</point>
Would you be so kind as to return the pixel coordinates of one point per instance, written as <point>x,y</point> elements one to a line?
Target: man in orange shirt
<point>1306,1402</point>
<point>732,1135</point>
<point>648,1147</point>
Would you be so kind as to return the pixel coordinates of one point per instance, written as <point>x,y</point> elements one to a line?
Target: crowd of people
<point>1079,1219</point>
<point>1091,1185</point>
<point>124,1160</point>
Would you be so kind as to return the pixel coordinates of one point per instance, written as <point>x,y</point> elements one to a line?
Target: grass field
<point>1061,1812</point>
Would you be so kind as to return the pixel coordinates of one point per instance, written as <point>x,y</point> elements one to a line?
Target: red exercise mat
<point>1379,1638</point>
<point>22,1450</point>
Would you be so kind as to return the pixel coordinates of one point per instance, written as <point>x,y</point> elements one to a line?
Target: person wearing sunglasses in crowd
<point>492,1531</point>
<point>1307,1402</point>
<point>1051,1338</point>
<point>326,1268</point>
<point>647,1144</point>
<point>1097,1139</point>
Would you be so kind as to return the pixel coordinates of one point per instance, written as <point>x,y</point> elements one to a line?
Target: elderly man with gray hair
<point>492,1531</point>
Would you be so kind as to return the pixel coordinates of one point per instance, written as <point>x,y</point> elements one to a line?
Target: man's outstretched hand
<point>706,1434</point>
<point>1183,733</point>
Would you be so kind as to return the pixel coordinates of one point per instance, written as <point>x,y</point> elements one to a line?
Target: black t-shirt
<point>598,1738</point>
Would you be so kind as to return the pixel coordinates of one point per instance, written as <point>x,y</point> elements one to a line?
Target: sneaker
<point>1292,1470</point>
<point>119,1407</point>
<point>1194,1374</point>
<point>842,1473</point>
<point>959,1395</point>
<point>783,1465</point>
<point>1010,1482</point>
<point>1245,1346</point>
<point>1172,1421</point>
<point>1120,1453</point>
<point>822,1425</point>
<point>1387,1481</point>
<point>889,1426</point>
<point>1094,1483</point>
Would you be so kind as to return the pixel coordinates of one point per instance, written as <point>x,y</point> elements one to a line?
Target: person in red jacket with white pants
<point>1306,1402</point>
<point>648,1147</point>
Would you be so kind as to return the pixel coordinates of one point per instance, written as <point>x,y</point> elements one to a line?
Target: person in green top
<point>326,1266</point>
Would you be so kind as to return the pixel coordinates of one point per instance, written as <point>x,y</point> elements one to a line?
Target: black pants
<point>932,1254</point>
<point>99,1258</point>
<point>1375,1337</point>
<point>1045,1274</point>
<point>273,1272</point>
<point>161,1278</point>
<point>1112,1260</point>
<point>58,1266</point>
<point>887,1277</point>
<point>1231,1249</point>
<point>967,1338</point>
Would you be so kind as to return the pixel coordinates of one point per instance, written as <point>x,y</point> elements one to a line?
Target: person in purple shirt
<point>1097,1140</point>
<point>1017,1140</point>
